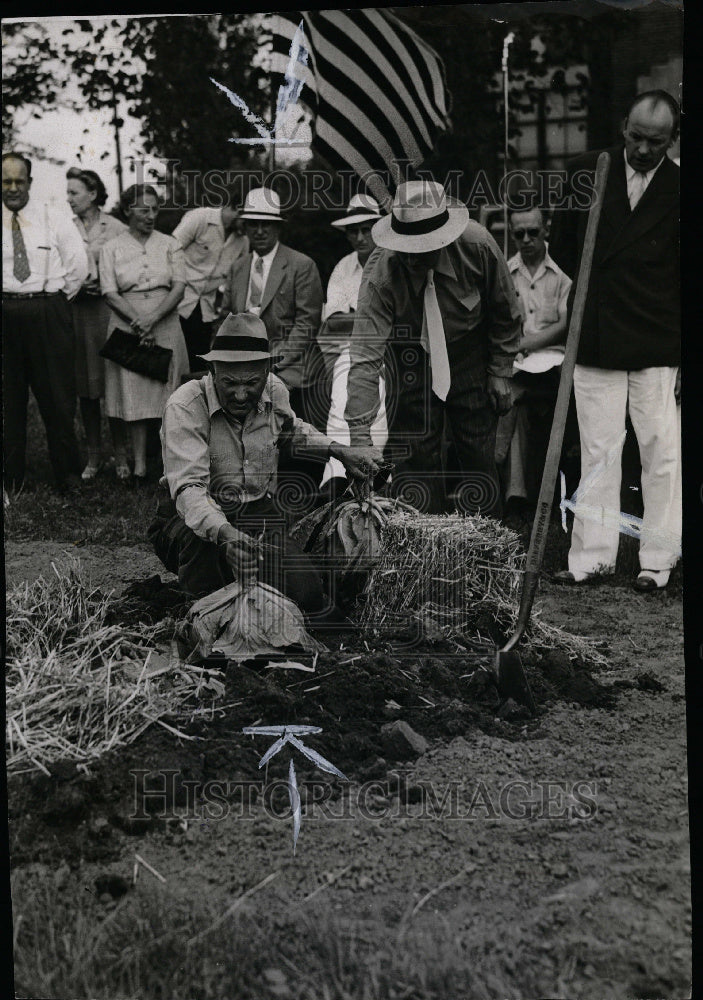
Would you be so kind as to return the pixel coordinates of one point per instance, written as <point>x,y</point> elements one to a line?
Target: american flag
<point>375,89</point>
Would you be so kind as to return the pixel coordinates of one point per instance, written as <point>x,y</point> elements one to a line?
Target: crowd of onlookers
<point>174,291</point>
<point>427,344</point>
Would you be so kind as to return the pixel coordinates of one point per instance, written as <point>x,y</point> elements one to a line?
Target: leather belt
<point>30,295</point>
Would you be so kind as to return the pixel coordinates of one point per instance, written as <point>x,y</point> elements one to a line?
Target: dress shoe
<point>91,470</point>
<point>650,579</point>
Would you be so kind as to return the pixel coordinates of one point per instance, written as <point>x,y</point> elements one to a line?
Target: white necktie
<point>637,188</point>
<point>439,359</point>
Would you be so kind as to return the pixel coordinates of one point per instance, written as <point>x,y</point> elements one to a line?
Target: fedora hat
<point>422,219</point>
<point>262,203</point>
<point>242,337</point>
<point>362,208</point>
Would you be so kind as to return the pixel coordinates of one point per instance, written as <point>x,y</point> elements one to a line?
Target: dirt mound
<point>433,685</point>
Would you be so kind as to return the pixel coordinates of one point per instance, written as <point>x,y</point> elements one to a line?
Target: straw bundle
<point>458,576</point>
<point>242,622</point>
<point>77,687</point>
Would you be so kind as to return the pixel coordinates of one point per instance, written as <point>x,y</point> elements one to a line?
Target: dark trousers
<point>198,336</point>
<point>38,353</point>
<point>417,421</point>
<point>202,568</point>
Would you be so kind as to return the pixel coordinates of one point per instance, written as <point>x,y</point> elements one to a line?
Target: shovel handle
<point>540,525</point>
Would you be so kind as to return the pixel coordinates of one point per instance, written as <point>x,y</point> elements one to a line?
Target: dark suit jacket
<point>632,317</point>
<point>291,307</point>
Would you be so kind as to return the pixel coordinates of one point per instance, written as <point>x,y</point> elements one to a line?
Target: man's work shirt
<point>477,301</point>
<point>55,252</point>
<point>542,297</point>
<point>209,254</point>
<point>343,286</point>
<point>213,463</point>
<point>267,260</point>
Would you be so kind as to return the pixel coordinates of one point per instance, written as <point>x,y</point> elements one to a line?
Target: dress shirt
<point>630,174</point>
<point>209,254</point>
<point>343,286</point>
<point>55,251</point>
<point>105,228</point>
<point>212,461</point>
<point>126,265</point>
<point>268,261</point>
<point>477,301</point>
<point>541,296</point>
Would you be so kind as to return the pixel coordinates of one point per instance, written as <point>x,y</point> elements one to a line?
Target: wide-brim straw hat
<point>361,208</point>
<point>242,337</point>
<point>262,203</point>
<point>422,219</point>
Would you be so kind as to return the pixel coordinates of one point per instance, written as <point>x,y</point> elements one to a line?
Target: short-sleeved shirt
<point>105,228</point>
<point>542,296</point>
<point>209,255</point>
<point>126,265</point>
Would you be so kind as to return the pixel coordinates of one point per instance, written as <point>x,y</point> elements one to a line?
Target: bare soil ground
<point>552,850</point>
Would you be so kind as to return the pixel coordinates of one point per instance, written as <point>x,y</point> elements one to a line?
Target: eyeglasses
<point>532,232</point>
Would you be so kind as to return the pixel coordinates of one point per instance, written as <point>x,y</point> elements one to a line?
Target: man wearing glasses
<point>630,347</point>
<point>543,292</point>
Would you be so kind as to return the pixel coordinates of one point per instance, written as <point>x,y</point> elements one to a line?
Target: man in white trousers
<point>630,348</point>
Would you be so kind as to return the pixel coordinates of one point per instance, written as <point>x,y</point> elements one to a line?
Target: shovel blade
<point>512,682</point>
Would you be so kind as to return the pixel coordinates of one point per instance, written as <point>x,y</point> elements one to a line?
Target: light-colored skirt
<point>91,315</point>
<point>130,396</point>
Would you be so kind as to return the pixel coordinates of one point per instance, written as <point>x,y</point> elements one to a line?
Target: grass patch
<point>153,945</point>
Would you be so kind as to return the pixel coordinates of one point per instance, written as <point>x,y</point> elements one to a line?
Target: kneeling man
<point>221,437</point>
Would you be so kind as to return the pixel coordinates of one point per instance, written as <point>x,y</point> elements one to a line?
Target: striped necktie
<point>257,284</point>
<point>439,359</point>
<point>20,267</point>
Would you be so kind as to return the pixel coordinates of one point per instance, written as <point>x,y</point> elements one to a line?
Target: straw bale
<point>459,576</point>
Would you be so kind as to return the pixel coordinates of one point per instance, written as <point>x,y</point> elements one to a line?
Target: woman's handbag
<point>125,349</point>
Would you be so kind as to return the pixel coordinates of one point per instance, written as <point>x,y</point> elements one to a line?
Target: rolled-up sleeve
<point>503,311</point>
<point>372,330</point>
<point>184,438</point>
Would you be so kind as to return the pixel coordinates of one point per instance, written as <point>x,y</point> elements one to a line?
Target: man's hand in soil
<point>500,392</point>
<point>360,463</point>
<point>242,552</point>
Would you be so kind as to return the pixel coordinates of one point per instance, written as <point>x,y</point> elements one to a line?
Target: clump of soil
<point>440,689</point>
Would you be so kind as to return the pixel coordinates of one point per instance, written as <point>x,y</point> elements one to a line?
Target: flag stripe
<point>399,54</point>
<point>381,84</point>
<point>376,89</point>
<point>428,64</point>
<point>342,93</point>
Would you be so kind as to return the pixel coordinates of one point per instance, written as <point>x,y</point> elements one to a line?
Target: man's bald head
<point>651,127</point>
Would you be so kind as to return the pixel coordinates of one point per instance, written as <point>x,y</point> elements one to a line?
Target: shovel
<point>512,682</point>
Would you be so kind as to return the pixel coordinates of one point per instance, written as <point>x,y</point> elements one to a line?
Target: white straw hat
<point>361,208</point>
<point>422,219</point>
<point>262,203</point>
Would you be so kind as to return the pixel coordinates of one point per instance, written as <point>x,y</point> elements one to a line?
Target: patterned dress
<point>143,274</point>
<point>90,311</point>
